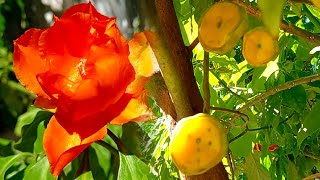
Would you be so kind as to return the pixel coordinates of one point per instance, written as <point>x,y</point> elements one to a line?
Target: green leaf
<point>6,147</point>
<point>85,176</point>
<point>38,146</point>
<point>29,132</point>
<point>257,83</point>
<point>253,168</point>
<point>39,170</point>
<point>242,146</point>
<point>25,119</point>
<point>100,161</point>
<point>271,14</point>
<point>132,168</point>
<point>310,124</point>
<point>7,162</point>
<point>134,138</point>
<point>295,98</point>
<point>292,171</point>
<point>200,7</point>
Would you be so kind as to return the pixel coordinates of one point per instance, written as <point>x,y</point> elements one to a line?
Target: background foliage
<point>288,119</point>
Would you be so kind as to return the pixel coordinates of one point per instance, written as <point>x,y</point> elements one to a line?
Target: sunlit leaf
<point>292,171</point>
<point>310,124</point>
<point>85,176</point>
<point>100,161</point>
<point>242,146</point>
<point>25,119</point>
<point>132,168</point>
<point>253,168</point>
<point>7,162</point>
<point>29,132</point>
<point>134,138</point>
<point>39,170</point>
<point>271,14</point>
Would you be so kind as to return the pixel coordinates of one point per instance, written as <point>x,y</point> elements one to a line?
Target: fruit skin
<point>198,143</point>
<point>259,46</point>
<point>316,3</point>
<point>219,31</point>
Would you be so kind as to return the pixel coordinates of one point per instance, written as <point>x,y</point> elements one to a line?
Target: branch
<point>84,165</point>
<point>231,111</point>
<point>313,176</point>
<point>206,89</point>
<point>301,1</point>
<point>122,148</point>
<point>224,84</point>
<point>239,136</point>
<point>109,147</point>
<point>257,129</point>
<point>193,44</point>
<point>287,85</point>
<point>289,28</point>
<point>231,164</point>
<point>311,156</point>
<point>180,58</point>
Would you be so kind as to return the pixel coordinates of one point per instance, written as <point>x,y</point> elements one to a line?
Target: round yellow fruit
<point>198,143</point>
<point>222,26</point>
<point>259,46</point>
<point>316,3</point>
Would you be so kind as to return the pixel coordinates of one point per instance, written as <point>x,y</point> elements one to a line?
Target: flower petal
<point>141,54</point>
<point>62,147</point>
<point>84,8</point>
<point>137,110</point>
<point>86,117</point>
<point>27,63</point>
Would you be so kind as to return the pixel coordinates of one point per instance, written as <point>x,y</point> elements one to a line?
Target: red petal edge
<point>61,147</point>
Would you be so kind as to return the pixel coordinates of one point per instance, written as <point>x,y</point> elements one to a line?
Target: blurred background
<point>16,16</point>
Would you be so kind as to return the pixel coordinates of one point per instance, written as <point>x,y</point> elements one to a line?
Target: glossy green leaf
<point>38,146</point>
<point>271,14</point>
<point>7,162</point>
<point>134,138</point>
<point>310,124</point>
<point>29,132</point>
<point>85,176</point>
<point>292,171</point>
<point>100,161</point>
<point>25,119</point>
<point>6,147</point>
<point>295,98</point>
<point>132,168</point>
<point>39,170</point>
<point>253,168</point>
<point>242,146</point>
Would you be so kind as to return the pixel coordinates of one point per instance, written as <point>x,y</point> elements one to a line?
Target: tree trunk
<point>169,28</point>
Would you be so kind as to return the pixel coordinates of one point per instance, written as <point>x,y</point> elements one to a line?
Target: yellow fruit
<point>222,26</point>
<point>259,46</point>
<point>198,143</point>
<point>316,3</point>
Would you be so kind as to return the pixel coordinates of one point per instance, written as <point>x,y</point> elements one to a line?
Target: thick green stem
<point>171,77</point>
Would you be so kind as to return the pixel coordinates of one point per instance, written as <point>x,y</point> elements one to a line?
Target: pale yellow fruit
<point>316,3</point>
<point>222,26</point>
<point>259,46</point>
<point>198,143</point>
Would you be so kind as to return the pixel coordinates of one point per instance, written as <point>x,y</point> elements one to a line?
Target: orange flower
<point>80,66</point>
